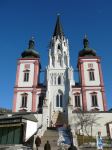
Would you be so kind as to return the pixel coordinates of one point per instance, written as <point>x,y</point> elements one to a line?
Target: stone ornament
<point>45,102</point>
<point>69,100</point>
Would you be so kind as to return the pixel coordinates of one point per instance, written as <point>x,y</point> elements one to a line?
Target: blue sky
<point>19,19</point>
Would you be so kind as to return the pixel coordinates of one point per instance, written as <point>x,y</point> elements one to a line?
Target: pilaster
<point>84,99</point>
<point>82,73</point>
<point>34,95</point>
<point>35,81</point>
<point>14,102</point>
<point>69,107</point>
<point>17,75</point>
<point>44,114</point>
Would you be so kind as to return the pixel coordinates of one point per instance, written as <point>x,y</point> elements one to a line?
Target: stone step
<point>49,137</point>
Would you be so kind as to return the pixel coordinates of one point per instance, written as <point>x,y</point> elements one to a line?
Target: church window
<point>57,101</point>
<point>94,100</point>
<point>58,46</point>
<point>26,76</point>
<point>91,75</point>
<point>77,101</point>
<point>41,98</point>
<point>60,100</point>
<point>24,101</point>
<point>59,80</point>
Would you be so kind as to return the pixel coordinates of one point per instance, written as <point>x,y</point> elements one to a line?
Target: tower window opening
<point>64,43</point>
<point>77,101</point>
<point>52,44</point>
<point>59,80</point>
<point>91,75</point>
<point>59,101</point>
<point>94,100</point>
<point>58,46</point>
<point>24,101</point>
<point>26,76</point>
<point>41,98</point>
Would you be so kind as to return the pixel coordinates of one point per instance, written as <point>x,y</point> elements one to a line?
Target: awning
<point>11,125</point>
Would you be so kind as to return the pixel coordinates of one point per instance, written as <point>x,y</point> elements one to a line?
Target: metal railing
<point>93,142</point>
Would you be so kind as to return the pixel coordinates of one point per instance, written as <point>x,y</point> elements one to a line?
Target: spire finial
<point>58,13</point>
<point>85,35</point>
<point>32,37</point>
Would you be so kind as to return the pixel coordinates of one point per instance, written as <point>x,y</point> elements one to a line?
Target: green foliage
<point>4,110</point>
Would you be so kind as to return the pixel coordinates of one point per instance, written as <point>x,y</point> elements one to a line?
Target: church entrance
<point>59,118</point>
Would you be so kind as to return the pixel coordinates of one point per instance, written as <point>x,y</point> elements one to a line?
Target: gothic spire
<point>58,29</point>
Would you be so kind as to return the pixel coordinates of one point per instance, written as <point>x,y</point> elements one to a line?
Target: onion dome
<point>30,52</point>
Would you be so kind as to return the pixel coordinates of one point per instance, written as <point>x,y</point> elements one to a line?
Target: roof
<point>87,52</point>
<point>58,29</point>
<point>28,116</point>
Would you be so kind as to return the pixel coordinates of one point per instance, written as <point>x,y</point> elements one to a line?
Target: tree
<point>93,121</point>
<point>86,119</point>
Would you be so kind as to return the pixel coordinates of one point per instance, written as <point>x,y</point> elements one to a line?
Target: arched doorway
<point>59,118</point>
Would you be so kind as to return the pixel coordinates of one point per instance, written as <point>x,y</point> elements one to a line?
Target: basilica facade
<point>59,87</point>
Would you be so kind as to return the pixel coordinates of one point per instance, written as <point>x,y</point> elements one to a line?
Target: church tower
<point>58,74</point>
<point>89,94</point>
<point>27,79</point>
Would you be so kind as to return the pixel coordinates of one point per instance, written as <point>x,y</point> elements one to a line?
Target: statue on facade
<point>69,100</point>
<point>45,102</point>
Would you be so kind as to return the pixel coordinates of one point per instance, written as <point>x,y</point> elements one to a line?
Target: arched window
<point>58,46</point>
<point>41,98</point>
<point>60,100</point>
<point>57,101</point>
<point>59,80</point>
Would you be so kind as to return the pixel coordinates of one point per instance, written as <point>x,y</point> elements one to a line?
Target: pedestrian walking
<point>72,147</point>
<point>51,123</point>
<point>47,146</point>
<point>37,142</point>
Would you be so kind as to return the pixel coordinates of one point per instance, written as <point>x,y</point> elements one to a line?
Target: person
<point>55,124</point>
<point>47,146</point>
<point>51,123</point>
<point>72,147</point>
<point>37,142</point>
<point>64,125</point>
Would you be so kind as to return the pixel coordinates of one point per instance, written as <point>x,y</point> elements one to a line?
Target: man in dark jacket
<point>37,142</point>
<point>72,147</point>
<point>47,146</point>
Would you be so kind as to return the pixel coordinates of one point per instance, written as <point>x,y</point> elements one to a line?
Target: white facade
<point>58,76</point>
<point>19,101</point>
<point>31,128</point>
<point>21,82</point>
<point>96,82</point>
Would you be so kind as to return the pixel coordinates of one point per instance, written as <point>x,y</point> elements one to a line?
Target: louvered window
<point>77,101</point>
<point>94,100</point>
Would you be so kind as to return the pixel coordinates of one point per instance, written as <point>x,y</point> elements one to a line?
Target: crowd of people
<point>55,125</point>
